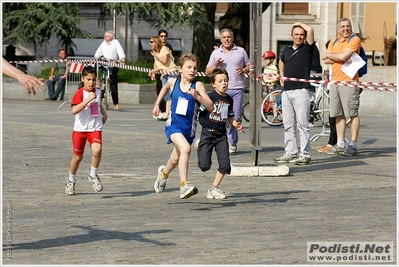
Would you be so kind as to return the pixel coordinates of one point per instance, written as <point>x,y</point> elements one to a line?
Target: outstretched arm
<point>28,81</point>
<point>165,89</point>
<point>236,124</point>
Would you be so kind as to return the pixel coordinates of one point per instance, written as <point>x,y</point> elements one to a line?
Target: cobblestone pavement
<point>264,220</point>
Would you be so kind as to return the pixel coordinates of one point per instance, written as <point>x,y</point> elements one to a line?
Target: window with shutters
<point>357,17</point>
<point>295,8</point>
<point>294,11</point>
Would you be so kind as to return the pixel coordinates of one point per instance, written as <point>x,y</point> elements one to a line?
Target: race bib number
<point>182,105</point>
<point>224,111</point>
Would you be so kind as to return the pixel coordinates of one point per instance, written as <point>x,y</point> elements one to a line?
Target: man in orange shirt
<point>344,100</point>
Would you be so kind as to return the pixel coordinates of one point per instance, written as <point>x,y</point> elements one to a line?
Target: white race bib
<point>224,111</point>
<point>182,105</point>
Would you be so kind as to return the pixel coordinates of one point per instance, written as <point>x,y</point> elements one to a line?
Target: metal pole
<point>255,87</point>
<point>127,34</point>
<point>114,24</point>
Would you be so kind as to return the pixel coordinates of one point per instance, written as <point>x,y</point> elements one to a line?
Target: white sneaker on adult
<point>232,149</point>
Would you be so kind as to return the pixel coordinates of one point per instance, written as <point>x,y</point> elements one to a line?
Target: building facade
<point>374,22</point>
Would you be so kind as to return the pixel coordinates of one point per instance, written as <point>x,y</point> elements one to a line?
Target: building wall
<point>322,17</point>
<point>380,22</point>
<point>278,28</point>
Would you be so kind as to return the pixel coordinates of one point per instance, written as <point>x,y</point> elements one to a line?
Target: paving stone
<point>264,220</point>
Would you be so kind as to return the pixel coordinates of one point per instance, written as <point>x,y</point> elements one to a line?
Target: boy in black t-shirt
<point>214,132</point>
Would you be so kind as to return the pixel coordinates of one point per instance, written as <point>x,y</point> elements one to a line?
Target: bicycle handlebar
<point>110,60</point>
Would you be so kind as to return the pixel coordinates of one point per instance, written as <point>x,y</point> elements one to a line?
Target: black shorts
<point>209,141</point>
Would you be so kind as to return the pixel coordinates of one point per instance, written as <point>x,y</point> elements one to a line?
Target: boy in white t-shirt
<point>89,119</point>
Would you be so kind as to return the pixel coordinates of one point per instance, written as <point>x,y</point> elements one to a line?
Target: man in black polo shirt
<point>296,62</point>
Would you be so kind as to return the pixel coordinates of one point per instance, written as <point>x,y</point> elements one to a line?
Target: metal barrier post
<point>255,88</point>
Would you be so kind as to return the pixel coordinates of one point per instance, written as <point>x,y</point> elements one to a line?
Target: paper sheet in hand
<point>350,69</point>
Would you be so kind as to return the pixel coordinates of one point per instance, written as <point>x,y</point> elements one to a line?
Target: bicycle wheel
<point>270,102</point>
<point>246,112</point>
<point>106,94</point>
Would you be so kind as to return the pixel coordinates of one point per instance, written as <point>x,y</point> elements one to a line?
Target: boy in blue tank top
<point>186,96</point>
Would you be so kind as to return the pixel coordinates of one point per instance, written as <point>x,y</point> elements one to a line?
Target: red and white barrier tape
<point>107,63</point>
<point>364,85</point>
<point>39,61</point>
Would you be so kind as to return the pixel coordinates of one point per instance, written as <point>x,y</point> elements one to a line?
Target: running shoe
<point>160,183</point>
<point>97,186</point>
<point>335,150</point>
<point>350,151</point>
<point>302,161</point>
<point>215,194</point>
<point>285,159</point>
<point>70,188</point>
<point>188,190</point>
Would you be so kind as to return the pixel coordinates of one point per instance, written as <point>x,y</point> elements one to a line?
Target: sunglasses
<point>151,42</point>
<point>163,36</point>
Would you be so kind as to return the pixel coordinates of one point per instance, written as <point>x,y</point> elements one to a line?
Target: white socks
<point>341,143</point>
<point>72,177</point>
<point>93,172</point>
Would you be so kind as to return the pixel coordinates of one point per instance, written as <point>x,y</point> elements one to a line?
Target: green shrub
<point>45,73</point>
<point>136,77</point>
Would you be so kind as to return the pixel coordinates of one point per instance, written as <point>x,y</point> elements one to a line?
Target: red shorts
<point>79,140</point>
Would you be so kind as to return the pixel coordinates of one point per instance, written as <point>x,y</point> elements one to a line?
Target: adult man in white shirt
<point>111,49</point>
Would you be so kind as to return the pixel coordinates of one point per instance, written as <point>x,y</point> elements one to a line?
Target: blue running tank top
<point>184,124</point>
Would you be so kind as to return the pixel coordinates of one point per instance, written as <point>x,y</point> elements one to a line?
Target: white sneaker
<point>97,186</point>
<point>232,149</point>
<point>215,194</point>
<point>160,182</point>
<point>70,188</point>
<point>161,115</point>
<point>188,190</point>
<point>196,142</point>
<point>286,159</point>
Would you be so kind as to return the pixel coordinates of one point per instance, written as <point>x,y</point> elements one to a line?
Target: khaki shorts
<point>344,100</point>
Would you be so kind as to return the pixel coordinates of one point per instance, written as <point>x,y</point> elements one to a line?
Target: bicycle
<point>317,107</point>
<point>105,82</point>
<point>270,98</point>
<point>270,101</point>
<point>318,110</point>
